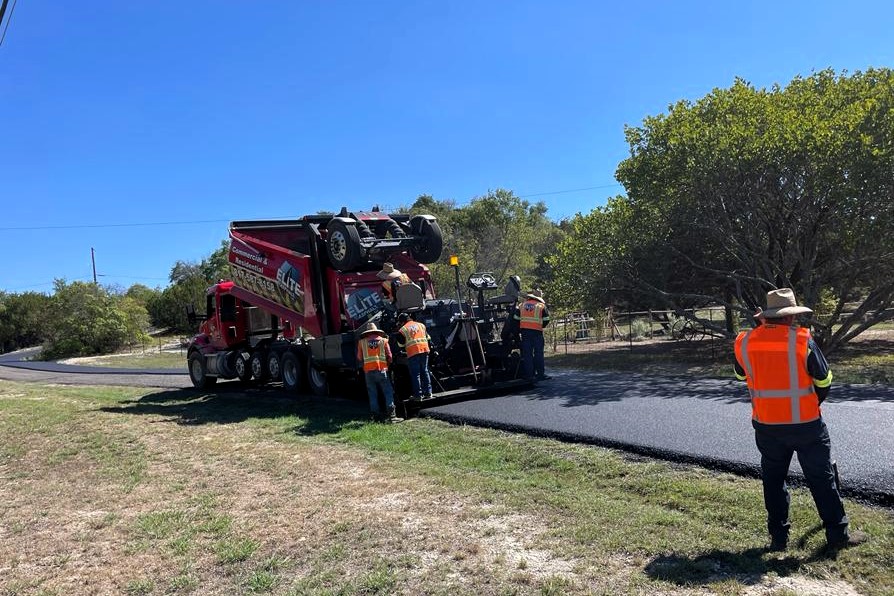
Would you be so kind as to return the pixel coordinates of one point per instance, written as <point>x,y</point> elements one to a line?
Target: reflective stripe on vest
<point>374,357</point>
<point>775,361</point>
<point>415,337</point>
<point>531,315</point>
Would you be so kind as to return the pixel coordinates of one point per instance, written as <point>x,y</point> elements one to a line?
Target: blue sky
<point>186,115</point>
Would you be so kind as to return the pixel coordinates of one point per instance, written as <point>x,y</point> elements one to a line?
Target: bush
<point>85,319</point>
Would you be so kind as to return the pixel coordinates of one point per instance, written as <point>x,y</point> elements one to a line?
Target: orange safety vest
<point>374,356</point>
<point>415,338</point>
<point>775,361</point>
<point>531,315</point>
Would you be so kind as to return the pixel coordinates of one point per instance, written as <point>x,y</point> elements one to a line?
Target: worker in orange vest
<point>414,339</point>
<point>391,280</point>
<point>374,355</point>
<point>532,316</point>
<point>788,378</point>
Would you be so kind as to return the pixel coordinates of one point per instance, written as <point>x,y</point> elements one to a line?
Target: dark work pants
<point>420,379</point>
<point>810,441</point>
<point>532,353</point>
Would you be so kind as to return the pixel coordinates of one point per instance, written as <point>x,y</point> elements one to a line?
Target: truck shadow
<point>232,403</point>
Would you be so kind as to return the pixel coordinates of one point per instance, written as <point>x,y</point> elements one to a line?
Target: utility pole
<point>93,261</point>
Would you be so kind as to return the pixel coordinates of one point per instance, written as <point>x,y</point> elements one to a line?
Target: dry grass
<point>114,490</point>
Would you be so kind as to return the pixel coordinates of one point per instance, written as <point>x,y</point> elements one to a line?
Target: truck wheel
<point>273,366</point>
<point>258,366</point>
<point>343,245</point>
<point>291,372</point>
<point>198,371</point>
<point>316,378</point>
<point>431,244</point>
<point>242,368</point>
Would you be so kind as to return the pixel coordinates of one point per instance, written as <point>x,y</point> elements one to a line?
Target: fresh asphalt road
<point>704,421</point>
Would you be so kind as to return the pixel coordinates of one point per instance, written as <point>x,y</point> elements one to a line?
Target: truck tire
<point>343,245</point>
<point>274,366</point>
<point>258,365</point>
<point>316,379</point>
<point>242,368</point>
<point>198,371</point>
<point>292,372</point>
<point>432,241</point>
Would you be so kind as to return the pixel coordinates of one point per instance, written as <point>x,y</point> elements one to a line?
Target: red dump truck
<point>302,291</point>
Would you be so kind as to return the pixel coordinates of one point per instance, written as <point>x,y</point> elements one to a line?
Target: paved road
<point>705,421</point>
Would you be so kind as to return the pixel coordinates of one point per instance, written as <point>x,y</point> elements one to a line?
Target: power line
<point>204,221</point>
<point>9,20</point>
<point>562,192</point>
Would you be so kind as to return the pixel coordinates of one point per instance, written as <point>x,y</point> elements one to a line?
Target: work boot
<point>853,538</point>
<point>778,544</point>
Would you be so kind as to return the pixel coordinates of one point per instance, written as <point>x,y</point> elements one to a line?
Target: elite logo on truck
<point>252,270</point>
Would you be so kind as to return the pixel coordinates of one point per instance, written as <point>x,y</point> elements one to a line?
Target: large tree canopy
<point>499,233</point>
<point>750,189</point>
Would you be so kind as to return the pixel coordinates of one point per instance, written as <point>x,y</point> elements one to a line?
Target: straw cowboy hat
<point>372,329</point>
<point>536,294</point>
<point>781,303</point>
<point>388,272</point>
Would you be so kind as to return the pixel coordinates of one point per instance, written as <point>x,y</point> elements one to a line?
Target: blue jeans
<point>532,353</point>
<point>375,380</point>
<point>811,442</point>
<point>419,376</point>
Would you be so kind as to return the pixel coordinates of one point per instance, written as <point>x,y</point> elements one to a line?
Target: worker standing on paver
<point>532,317</point>
<point>391,280</point>
<point>788,378</point>
<point>374,354</point>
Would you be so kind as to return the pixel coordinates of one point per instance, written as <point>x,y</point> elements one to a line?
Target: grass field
<point>130,491</point>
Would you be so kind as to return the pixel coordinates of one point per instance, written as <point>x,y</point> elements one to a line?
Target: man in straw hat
<point>532,317</point>
<point>374,355</point>
<point>788,378</point>
<point>391,279</point>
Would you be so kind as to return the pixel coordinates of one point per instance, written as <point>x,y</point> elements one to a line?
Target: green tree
<point>22,320</point>
<point>498,232</point>
<point>83,320</point>
<point>189,282</point>
<point>750,189</point>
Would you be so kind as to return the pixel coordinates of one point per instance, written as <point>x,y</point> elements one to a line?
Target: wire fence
<point>582,331</point>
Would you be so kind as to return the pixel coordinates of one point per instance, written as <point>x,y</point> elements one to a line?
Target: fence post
<point>630,330</point>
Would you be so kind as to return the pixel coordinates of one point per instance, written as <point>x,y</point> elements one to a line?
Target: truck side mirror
<point>191,315</point>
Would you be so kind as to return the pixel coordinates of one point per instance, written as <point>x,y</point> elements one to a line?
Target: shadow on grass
<point>231,403</point>
<point>747,567</point>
